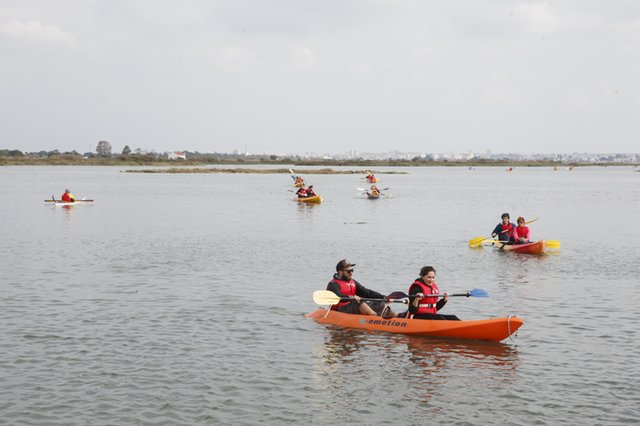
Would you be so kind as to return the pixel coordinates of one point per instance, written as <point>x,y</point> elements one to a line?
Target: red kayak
<point>494,329</point>
<point>537,247</point>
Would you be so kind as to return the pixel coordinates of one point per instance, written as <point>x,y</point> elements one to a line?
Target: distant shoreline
<point>259,171</point>
<point>148,160</point>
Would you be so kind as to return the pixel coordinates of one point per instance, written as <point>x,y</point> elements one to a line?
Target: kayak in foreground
<point>316,199</point>
<point>494,329</point>
<point>537,247</point>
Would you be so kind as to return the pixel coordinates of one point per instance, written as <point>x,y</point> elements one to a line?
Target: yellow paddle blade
<point>474,242</point>
<point>325,297</point>
<point>531,221</point>
<point>552,243</point>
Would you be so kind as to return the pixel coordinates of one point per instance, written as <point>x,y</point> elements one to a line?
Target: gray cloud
<point>295,76</point>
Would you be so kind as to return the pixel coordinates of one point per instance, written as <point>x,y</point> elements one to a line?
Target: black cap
<point>343,264</point>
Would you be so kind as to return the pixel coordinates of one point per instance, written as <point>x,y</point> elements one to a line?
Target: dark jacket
<point>503,236</point>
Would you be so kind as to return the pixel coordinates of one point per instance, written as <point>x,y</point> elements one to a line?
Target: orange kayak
<point>494,329</point>
<point>537,247</point>
<point>316,199</point>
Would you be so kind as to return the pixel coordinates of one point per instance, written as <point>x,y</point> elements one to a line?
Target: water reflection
<point>67,211</point>
<point>306,207</point>
<point>341,344</point>
<point>426,364</point>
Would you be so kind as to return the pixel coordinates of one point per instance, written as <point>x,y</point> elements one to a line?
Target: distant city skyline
<point>325,77</point>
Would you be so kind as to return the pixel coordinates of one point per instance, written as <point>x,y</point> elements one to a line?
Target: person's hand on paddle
<point>445,297</point>
<point>357,299</point>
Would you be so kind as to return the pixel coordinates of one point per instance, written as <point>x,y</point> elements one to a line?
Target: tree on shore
<point>104,148</point>
<point>126,150</point>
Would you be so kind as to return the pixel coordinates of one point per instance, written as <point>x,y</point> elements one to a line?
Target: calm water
<point>180,299</point>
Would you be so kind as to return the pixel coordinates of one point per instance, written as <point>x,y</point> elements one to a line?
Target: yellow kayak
<point>316,199</point>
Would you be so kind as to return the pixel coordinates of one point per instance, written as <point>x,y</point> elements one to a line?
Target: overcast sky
<point>323,76</point>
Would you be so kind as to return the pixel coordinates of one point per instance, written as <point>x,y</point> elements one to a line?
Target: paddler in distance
<point>68,197</point>
<point>344,286</point>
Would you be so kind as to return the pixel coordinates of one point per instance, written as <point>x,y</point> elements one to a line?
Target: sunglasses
<point>348,270</point>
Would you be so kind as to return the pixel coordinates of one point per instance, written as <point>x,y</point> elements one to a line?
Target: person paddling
<point>344,286</point>
<point>504,230</point>
<point>68,197</point>
<point>375,191</point>
<point>310,192</point>
<point>521,233</point>
<point>302,192</point>
<point>423,306</point>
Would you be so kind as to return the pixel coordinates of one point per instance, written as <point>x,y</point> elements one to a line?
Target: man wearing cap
<point>344,286</point>
<point>68,197</point>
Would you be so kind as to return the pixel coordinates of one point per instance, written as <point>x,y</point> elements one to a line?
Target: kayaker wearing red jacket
<point>504,230</point>
<point>343,285</point>
<point>68,197</point>
<point>421,306</point>
<point>521,232</point>
<point>302,192</point>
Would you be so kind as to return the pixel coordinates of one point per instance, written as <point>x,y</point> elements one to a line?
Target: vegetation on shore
<point>54,158</point>
<point>258,171</point>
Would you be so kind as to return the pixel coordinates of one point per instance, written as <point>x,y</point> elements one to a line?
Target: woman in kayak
<point>344,286</point>
<point>504,230</point>
<point>423,306</point>
<point>521,232</point>
<point>375,191</point>
<point>68,197</point>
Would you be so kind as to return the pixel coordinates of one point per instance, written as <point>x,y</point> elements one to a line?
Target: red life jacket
<point>302,192</point>
<point>508,229</point>
<point>347,288</point>
<point>426,305</point>
<point>66,198</point>
<point>522,232</point>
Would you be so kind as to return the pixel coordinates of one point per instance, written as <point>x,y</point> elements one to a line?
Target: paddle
<point>547,243</point>
<point>552,243</point>
<point>326,297</point>
<point>54,201</point>
<point>475,242</point>
<point>476,292</point>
